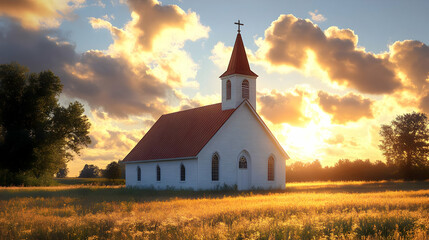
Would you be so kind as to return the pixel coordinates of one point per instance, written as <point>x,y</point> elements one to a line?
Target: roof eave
<point>245,74</point>
<point>162,159</point>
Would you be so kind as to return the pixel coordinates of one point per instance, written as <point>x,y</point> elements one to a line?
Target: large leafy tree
<point>405,144</point>
<point>113,171</point>
<point>38,136</point>
<point>90,171</point>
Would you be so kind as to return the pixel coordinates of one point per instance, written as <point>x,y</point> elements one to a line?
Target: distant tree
<point>405,144</point>
<point>343,170</point>
<point>37,135</point>
<point>113,171</point>
<point>90,171</point>
<point>62,173</point>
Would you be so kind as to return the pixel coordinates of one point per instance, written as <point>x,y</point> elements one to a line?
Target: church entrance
<point>243,176</point>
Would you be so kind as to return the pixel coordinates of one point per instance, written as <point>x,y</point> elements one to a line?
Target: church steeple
<point>238,64</point>
<point>238,81</point>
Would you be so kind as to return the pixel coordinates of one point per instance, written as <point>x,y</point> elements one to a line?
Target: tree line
<point>114,170</point>
<point>343,170</point>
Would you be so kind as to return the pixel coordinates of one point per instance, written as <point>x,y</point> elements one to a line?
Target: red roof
<point>238,64</point>
<point>180,134</point>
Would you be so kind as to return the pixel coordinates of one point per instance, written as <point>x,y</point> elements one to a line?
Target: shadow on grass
<point>121,193</point>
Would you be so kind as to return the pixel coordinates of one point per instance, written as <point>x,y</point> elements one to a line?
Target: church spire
<point>238,82</point>
<point>238,64</point>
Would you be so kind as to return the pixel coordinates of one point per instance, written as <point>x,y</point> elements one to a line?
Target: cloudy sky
<point>330,72</point>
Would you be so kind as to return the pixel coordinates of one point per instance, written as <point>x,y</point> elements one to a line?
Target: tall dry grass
<point>344,211</point>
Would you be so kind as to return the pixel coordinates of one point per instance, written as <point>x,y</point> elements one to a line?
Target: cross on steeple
<point>238,23</point>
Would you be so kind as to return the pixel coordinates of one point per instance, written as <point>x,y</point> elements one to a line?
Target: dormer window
<point>245,89</point>
<point>228,89</point>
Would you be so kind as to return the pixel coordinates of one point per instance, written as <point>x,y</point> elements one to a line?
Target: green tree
<point>90,171</point>
<point>113,171</point>
<point>38,136</point>
<point>405,144</point>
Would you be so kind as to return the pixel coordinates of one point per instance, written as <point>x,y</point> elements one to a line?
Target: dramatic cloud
<point>317,17</point>
<point>98,23</point>
<point>289,41</point>
<point>283,107</point>
<point>153,18</point>
<point>113,85</point>
<point>33,14</point>
<point>412,59</point>
<point>158,44</point>
<point>118,140</point>
<point>103,81</point>
<point>35,49</point>
<point>124,80</point>
<point>349,108</point>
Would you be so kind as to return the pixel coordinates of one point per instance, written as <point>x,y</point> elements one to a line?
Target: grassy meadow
<point>319,210</point>
<point>88,181</point>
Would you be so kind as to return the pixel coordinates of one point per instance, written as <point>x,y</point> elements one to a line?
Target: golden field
<point>322,210</point>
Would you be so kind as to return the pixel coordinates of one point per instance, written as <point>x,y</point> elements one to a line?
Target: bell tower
<point>238,81</point>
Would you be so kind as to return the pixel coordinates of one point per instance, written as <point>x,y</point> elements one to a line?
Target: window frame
<point>139,174</point>
<point>271,169</point>
<point>242,164</point>
<point>182,173</point>
<point>158,173</point>
<point>228,89</point>
<point>245,89</point>
<point>215,169</point>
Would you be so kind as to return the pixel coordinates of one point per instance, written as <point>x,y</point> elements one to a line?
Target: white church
<point>224,144</point>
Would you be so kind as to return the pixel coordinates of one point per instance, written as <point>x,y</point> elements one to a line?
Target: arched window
<point>228,89</point>
<point>245,89</point>
<point>271,168</point>
<point>215,167</point>
<point>158,173</point>
<point>139,174</point>
<point>242,163</point>
<point>182,172</point>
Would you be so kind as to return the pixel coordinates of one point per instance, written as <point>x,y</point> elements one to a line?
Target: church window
<point>242,163</point>
<point>228,89</point>
<point>139,174</point>
<point>158,173</point>
<point>245,89</point>
<point>271,168</point>
<point>215,167</point>
<point>182,173</point>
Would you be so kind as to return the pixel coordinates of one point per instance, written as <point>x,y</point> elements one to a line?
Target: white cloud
<point>317,17</point>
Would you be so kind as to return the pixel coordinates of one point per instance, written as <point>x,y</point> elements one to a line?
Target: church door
<point>243,176</point>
